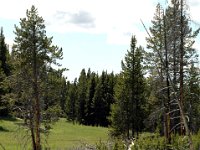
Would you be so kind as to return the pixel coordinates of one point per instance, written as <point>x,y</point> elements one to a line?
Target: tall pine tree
<point>133,102</point>
<point>33,53</point>
<point>5,71</point>
<point>82,96</point>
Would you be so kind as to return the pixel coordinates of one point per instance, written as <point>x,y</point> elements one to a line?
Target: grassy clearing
<point>64,135</point>
<point>8,130</point>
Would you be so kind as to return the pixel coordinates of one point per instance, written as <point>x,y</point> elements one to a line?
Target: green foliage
<point>92,83</point>
<point>33,54</point>
<point>155,142</point>
<point>38,93</point>
<point>168,45</point>
<point>81,97</point>
<point>101,100</point>
<point>128,110</point>
<point>117,144</point>
<point>119,110</point>
<point>149,141</point>
<point>101,146</point>
<point>4,55</point>
<point>89,99</point>
<point>63,135</point>
<point>192,97</point>
<point>5,71</point>
<point>71,101</point>
<point>196,141</point>
<point>35,85</point>
<point>53,87</point>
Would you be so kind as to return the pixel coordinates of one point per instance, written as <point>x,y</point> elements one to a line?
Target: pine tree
<point>192,98</point>
<point>33,53</point>
<point>63,94</point>
<point>71,101</point>
<point>82,96</point>
<point>53,88</point>
<point>90,95</point>
<point>177,39</point>
<point>5,71</point>
<point>133,74</point>
<point>120,112</point>
<point>100,101</point>
<point>131,101</point>
<point>159,59</point>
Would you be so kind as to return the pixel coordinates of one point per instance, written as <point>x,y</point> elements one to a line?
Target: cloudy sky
<point>93,33</point>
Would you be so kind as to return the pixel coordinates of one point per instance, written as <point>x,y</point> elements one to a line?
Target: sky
<point>92,33</point>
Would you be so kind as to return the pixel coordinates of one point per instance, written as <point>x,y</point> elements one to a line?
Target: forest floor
<point>63,135</point>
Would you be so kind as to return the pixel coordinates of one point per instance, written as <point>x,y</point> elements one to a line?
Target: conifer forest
<point>153,103</point>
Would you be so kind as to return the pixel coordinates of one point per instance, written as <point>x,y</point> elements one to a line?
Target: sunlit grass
<point>63,135</point>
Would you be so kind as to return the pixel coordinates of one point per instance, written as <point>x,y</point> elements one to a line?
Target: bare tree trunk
<point>167,103</point>
<point>36,97</point>
<point>37,105</point>
<point>181,62</point>
<point>175,67</point>
<point>176,98</point>
<point>183,119</point>
<point>133,99</point>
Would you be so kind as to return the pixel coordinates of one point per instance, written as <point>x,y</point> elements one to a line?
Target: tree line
<point>89,98</point>
<point>158,89</point>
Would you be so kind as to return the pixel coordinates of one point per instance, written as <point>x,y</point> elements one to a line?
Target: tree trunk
<point>36,100</point>
<point>181,63</point>
<point>167,103</point>
<point>176,97</point>
<point>133,99</point>
<point>37,110</point>
<point>31,126</point>
<point>183,118</point>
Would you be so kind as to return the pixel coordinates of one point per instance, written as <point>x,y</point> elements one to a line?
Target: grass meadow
<point>62,136</point>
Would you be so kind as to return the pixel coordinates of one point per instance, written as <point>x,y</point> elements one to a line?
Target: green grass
<point>8,132</point>
<point>63,135</point>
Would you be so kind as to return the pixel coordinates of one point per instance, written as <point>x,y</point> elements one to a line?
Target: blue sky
<point>93,33</point>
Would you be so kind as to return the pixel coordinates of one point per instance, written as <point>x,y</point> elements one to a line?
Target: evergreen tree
<point>111,81</point>
<point>134,80</point>
<point>103,98</point>
<point>159,44</point>
<point>90,95</point>
<point>99,101</point>
<point>82,96</point>
<point>72,96</point>
<point>33,53</point>
<point>53,86</point>
<point>5,71</point>
<point>192,96</point>
<point>134,88</point>
<point>4,55</point>
<point>175,54</point>
<point>63,95</point>
<point>120,112</point>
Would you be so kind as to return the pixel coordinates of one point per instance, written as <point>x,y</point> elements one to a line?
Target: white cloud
<point>111,17</point>
<point>115,18</point>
